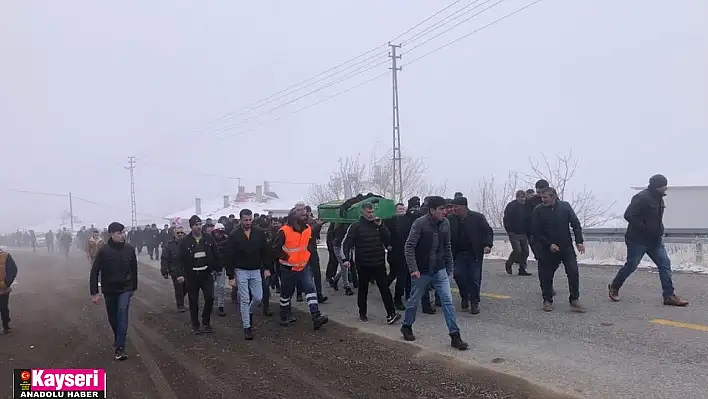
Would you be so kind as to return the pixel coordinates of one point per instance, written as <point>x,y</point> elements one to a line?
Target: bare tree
<point>413,171</point>
<point>492,197</point>
<point>354,177</point>
<point>591,211</point>
<point>349,180</point>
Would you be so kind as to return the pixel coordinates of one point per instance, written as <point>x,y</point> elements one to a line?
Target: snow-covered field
<point>683,256</point>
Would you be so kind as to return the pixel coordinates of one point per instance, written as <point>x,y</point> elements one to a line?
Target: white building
<point>263,201</point>
<point>685,207</point>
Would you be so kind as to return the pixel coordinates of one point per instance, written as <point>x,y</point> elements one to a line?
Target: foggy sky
<point>84,84</point>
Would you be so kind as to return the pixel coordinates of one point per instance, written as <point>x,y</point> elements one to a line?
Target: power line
<point>437,25</point>
<point>459,23</point>
<point>510,14</point>
<point>167,168</point>
<point>424,21</point>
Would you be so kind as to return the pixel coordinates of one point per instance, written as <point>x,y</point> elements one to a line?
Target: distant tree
<point>376,176</point>
<point>493,195</point>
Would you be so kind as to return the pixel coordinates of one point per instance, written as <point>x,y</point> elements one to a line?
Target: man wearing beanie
<point>291,248</point>
<point>428,254</point>
<point>471,238</point>
<point>644,234</point>
<point>116,264</point>
<point>403,280</point>
<point>199,258</point>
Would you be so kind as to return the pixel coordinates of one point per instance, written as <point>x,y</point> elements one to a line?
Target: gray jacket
<point>428,248</point>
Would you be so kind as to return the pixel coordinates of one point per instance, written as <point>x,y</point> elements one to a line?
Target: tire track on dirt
<point>268,353</point>
<point>161,342</point>
<point>158,378</point>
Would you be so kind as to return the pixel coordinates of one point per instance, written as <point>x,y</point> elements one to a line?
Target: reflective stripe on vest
<point>296,247</point>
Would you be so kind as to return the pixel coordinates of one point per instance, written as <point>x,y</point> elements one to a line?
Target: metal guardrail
<point>696,237</point>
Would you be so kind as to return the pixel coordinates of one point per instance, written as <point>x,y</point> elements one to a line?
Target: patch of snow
<point>683,256</point>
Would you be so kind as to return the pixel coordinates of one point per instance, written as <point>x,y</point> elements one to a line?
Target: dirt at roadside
<point>55,325</point>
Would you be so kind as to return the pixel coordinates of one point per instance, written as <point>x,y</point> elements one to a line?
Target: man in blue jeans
<point>644,234</point>
<point>471,238</point>
<point>247,258</point>
<point>428,253</point>
<point>117,266</point>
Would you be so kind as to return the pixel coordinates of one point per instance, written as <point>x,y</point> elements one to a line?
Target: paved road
<point>636,348</point>
<point>56,326</point>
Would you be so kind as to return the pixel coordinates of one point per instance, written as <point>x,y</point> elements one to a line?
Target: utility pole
<point>71,212</point>
<point>133,211</point>
<point>396,153</point>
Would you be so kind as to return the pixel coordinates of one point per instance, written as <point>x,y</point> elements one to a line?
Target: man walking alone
<point>644,236</point>
<point>117,267</point>
<point>198,259</point>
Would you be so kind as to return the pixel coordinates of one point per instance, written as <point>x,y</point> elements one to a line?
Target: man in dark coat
<point>644,236</point>
<point>169,266</point>
<point>117,267</point>
<point>515,226</point>
<point>472,237</point>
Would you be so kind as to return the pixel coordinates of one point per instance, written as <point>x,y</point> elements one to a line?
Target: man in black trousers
<point>116,264</point>
<point>198,258</point>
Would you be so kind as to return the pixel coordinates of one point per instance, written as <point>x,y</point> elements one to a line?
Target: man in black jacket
<point>515,226</point>
<point>533,199</point>
<point>644,236</point>
<point>117,266</point>
<point>169,264</point>
<point>370,238</point>
<point>340,231</point>
<point>471,237</point>
<point>8,273</point>
<point>314,263</point>
<point>551,232</point>
<point>248,258</point>
<point>198,258</point>
<point>403,280</point>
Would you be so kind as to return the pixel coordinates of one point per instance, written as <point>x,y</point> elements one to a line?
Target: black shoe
<point>248,334</point>
<point>390,319</point>
<point>474,308</point>
<point>363,317</point>
<point>457,342</point>
<point>181,309</point>
<point>399,305</point>
<point>196,330</point>
<point>208,329</point>
<point>318,320</point>
<point>321,299</point>
<point>119,354</point>
<point>407,332</point>
<point>287,320</point>
<point>299,298</point>
<point>222,313</point>
<point>429,310</point>
<point>465,304</point>
<point>267,312</point>
<point>508,269</point>
<point>348,291</point>
<point>523,272</point>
